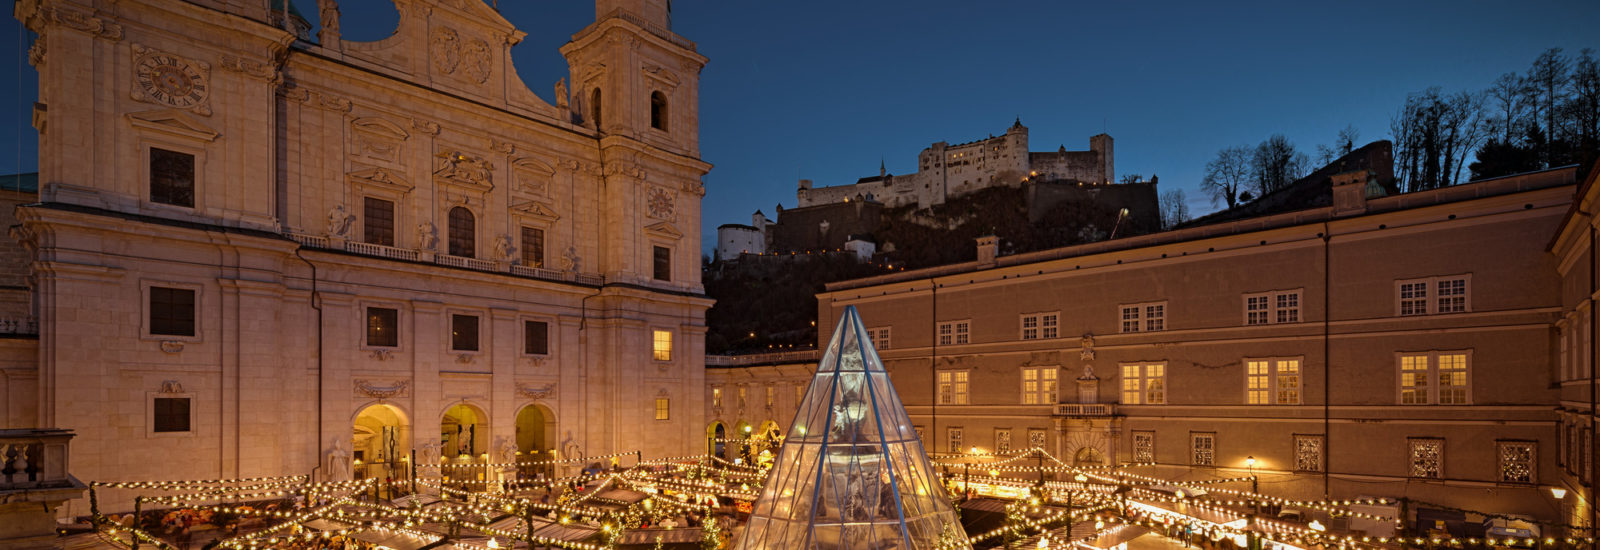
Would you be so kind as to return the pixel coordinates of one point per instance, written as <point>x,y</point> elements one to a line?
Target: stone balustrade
<point>1084,409</point>
<point>34,459</point>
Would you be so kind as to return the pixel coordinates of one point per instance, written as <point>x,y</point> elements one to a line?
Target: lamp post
<point>1255,506</point>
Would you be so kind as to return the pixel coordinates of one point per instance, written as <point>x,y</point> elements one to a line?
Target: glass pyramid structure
<point>852,473</point>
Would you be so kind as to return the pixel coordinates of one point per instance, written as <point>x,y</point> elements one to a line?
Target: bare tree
<point>1227,175</point>
<point>1275,164</point>
<point>1174,208</point>
<point>1508,98</point>
<point>1582,109</point>
<point>1343,144</point>
<point>1131,178</point>
<point>1434,135</point>
<point>1547,90</point>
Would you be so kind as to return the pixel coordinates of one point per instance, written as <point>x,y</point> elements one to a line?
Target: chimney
<point>988,248</point>
<point>1350,193</point>
<point>805,184</point>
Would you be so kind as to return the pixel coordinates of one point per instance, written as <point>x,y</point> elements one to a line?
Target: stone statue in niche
<point>339,221</point>
<point>427,236</point>
<point>570,259</point>
<point>561,93</point>
<point>503,250</point>
<point>339,460</point>
<point>507,449</point>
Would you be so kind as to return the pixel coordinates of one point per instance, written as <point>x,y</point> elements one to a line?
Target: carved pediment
<point>664,229</point>
<point>172,122</point>
<point>536,210</point>
<point>667,79</point>
<point>532,175</point>
<point>469,171</point>
<point>592,72</point>
<point>379,177</point>
<point>380,127</point>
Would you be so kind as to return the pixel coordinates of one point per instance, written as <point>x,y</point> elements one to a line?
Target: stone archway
<point>536,438</point>
<point>1088,456</point>
<point>464,431</point>
<point>381,442</point>
<point>714,434</point>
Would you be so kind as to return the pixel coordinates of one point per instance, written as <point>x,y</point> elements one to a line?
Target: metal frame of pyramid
<point>852,473</point>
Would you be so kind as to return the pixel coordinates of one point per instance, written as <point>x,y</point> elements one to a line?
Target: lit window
<point>1308,453</point>
<point>1039,386</point>
<point>952,387</point>
<point>1002,441</point>
<point>1144,447</point>
<point>772,396</point>
<point>383,327</point>
<point>1148,317</point>
<point>1516,461</point>
<point>1272,307</point>
<point>1272,381</point>
<point>716,398</point>
<point>1435,378</point>
<point>954,332</point>
<point>1144,384</point>
<point>954,439</point>
<point>663,406</point>
<point>661,349</point>
<point>1036,438</point>
<point>1434,295</point>
<point>1203,448</point>
<point>1037,326</point>
<point>744,393</point>
<point>1427,457</point>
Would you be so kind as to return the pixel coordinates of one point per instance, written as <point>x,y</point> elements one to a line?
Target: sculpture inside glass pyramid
<point>852,473</point>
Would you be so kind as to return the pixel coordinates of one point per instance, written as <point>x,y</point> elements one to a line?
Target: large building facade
<point>256,254</point>
<point>1389,346</point>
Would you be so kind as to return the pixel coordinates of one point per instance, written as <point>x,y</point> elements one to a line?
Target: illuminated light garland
<point>186,484</point>
<point>516,464</point>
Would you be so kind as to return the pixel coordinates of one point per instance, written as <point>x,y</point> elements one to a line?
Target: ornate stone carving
<point>693,187</point>
<point>570,260</point>
<point>381,354</point>
<point>367,388</point>
<point>541,392</point>
<point>328,15</point>
<point>660,202</point>
<point>335,103</point>
<point>339,221</point>
<point>561,93</point>
<point>427,236</point>
<point>503,249</point>
<point>501,146</point>
<point>463,168</point>
<point>1087,343</point>
<point>256,69</point>
<point>36,52</point>
<point>378,139</point>
<point>427,127</point>
<point>171,346</point>
<point>171,386</point>
<point>453,55</point>
<point>83,21</point>
<point>464,358</point>
<point>663,77</point>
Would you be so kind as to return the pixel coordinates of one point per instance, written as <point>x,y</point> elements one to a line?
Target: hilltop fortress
<point>946,171</point>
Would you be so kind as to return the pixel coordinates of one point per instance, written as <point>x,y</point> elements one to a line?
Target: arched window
<point>463,232</point>
<point>594,107</point>
<point>658,111</point>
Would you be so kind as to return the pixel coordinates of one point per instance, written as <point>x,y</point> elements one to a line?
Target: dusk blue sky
<point>825,89</point>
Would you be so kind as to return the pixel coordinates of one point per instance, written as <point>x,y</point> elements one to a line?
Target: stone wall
<point>823,226</point>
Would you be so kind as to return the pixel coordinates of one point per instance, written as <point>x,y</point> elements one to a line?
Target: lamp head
<point>1558,492</point>
<point>1250,461</point>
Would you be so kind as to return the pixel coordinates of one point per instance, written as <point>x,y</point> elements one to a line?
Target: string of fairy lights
<point>1112,496</point>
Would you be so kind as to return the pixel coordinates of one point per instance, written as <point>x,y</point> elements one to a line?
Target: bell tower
<point>636,84</point>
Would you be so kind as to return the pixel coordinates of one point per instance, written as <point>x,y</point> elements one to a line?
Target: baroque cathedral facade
<point>255,253</point>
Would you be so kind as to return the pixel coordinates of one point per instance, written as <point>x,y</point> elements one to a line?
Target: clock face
<point>167,79</point>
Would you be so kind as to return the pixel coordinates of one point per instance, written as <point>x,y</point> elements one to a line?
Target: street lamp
<point>1558,492</point>
<point>1255,505</point>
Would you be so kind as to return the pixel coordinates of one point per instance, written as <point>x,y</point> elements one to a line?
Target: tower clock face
<point>167,79</point>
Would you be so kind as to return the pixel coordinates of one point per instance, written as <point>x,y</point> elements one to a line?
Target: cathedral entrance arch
<point>715,433</point>
<point>464,431</point>
<point>1088,456</point>
<point>381,443</point>
<point>536,439</point>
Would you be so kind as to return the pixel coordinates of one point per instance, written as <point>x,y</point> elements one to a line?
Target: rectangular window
<point>1036,438</point>
<point>952,387</point>
<point>383,327</point>
<point>1203,448</point>
<point>532,247</point>
<point>1435,378</point>
<point>716,398</point>
<point>879,337</point>
<point>799,394</point>
<point>377,221</point>
<point>171,414</point>
<point>744,392</point>
<point>1272,381</point>
<point>464,333</point>
<point>1037,326</point>
<point>663,408</point>
<point>1308,453</point>
<point>1002,441</point>
<point>953,438</point>
<point>171,177</point>
<point>1265,308</point>
<point>1144,447</point>
<point>1516,461</point>
<point>1144,317</point>
<point>663,263</point>
<point>955,332</point>
<point>1434,295</point>
<point>1039,385</point>
<point>661,346</point>
<point>171,311</point>
<point>1427,457</point>
<point>1144,384</point>
<point>772,396</point>
<point>535,338</point>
